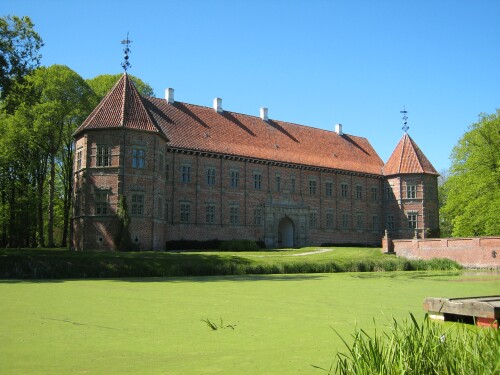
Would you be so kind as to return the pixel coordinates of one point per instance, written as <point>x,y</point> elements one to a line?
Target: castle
<point>199,173</point>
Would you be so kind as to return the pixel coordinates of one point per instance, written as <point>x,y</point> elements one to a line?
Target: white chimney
<point>263,114</point>
<point>338,129</point>
<point>169,95</point>
<point>218,105</point>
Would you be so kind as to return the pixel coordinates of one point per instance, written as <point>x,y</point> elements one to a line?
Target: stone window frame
<point>412,217</point>
<point>329,188</point>
<point>257,180</point>
<point>359,191</point>
<point>210,173</point>
<point>374,193</point>
<point>293,184</point>
<point>103,155</point>
<point>375,223</point>
<point>185,170</point>
<point>185,212</point>
<point>234,178</point>
<point>79,156</point>
<point>277,182</point>
<point>389,193</point>
<point>411,191</point>
<point>344,190</point>
<point>313,184</point>
<point>137,204</point>
<point>210,213</point>
<point>101,202</point>
<point>234,214</point>
<point>138,157</point>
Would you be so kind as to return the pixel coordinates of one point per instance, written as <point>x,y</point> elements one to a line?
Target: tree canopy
<point>472,191</point>
<point>19,50</point>
<point>104,82</point>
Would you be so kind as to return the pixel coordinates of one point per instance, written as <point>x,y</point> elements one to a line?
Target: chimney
<point>169,95</point>
<point>338,129</point>
<point>263,114</point>
<point>218,105</point>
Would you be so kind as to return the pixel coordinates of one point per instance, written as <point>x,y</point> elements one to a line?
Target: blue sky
<point>315,63</point>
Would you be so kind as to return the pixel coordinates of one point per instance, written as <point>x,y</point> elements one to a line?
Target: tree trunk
<point>52,183</point>
<point>39,209</point>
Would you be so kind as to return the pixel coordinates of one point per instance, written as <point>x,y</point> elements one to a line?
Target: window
<point>312,187</point>
<point>79,154</point>
<point>374,193</point>
<point>313,220</point>
<point>210,214</point>
<point>411,191</point>
<point>185,212</point>
<point>329,220</point>
<point>390,222</point>
<point>292,184</point>
<point>329,189</point>
<point>343,190</point>
<point>375,222</point>
<point>278,183</point>
<point>257,216</point>
<point>138,204</point>
<point>211,176</point>
<point>103,156</point>
<point>167,172</point>
<point>257,181</point>
<point>412,220</point>
<point>138,156</point>
<point>234,177</point>
<point>185,174</point>
<point>359,192</point>
<point>345,220</point>
<point>101,201</point>
<point>388,193</point>
<point>359,221</point>
<point>234,215</point>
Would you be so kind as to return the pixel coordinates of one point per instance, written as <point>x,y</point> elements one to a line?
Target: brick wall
<point>476,252</point>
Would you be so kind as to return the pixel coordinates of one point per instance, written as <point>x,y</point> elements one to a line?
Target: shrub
<point>429,348</point>
<point>193,245</point>
<point>239,245</point>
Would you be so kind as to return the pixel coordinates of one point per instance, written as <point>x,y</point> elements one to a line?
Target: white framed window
<point>79,155</point>
<point>103,156</point>
<point>185,174</point>
<point>359,192</point>
<point>210,213</point>
<point>313,220</point>
<point>234,215</point>
<point>359,221</point>
<point>210,174</point>
<point>257,181</point>
<point>312,187</point>
<point>329,189</point>
<point>101,202</point>
<point>257,216</point>
<point>390,222</point>
<point>374,193</point>
<point>137,204</point>
<point>344,189</point>
<point>329,219</point>
<point>234,179</point>
<point>411,191</point>
<point>412,220</point>
<point>345,220</point>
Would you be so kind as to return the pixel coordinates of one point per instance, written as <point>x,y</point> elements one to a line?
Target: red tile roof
<point>407,158</point>
<point>121,107</point>
<point>194,127</point>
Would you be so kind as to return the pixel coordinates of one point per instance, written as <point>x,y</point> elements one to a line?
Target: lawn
<point>281,324</point>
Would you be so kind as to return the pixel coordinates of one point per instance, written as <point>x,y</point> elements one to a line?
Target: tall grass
<point>428,348</point>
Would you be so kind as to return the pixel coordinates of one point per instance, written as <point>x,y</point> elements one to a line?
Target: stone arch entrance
<point>286,233</point>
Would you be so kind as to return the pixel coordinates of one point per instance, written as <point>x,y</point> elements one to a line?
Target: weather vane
<point>125,64</point>
<point>405,119</point>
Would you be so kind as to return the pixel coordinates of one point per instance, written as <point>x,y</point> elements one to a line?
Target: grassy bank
<point>64,264</point>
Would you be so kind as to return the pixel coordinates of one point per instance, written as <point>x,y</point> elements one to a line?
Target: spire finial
<point>125,64</point>
<point>405,119</point>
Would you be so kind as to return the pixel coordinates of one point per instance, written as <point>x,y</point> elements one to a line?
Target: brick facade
<point>176,193</point>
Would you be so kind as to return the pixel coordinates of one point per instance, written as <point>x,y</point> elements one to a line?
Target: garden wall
<point>475,252</point>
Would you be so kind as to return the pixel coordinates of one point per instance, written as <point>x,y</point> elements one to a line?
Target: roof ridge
<point>415,148</point>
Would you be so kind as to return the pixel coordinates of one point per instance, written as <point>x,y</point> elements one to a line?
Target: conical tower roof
<point>407,158</point>
<point>122,107</point>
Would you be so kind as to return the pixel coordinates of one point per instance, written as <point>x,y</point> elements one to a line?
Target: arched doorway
<point>285,233</point>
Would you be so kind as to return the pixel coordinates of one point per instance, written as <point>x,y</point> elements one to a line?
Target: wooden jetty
<point>482,311</point>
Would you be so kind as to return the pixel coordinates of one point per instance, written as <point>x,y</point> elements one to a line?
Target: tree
<point>472,191</point>
<point>19,50</point>
<point>104,82</point>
